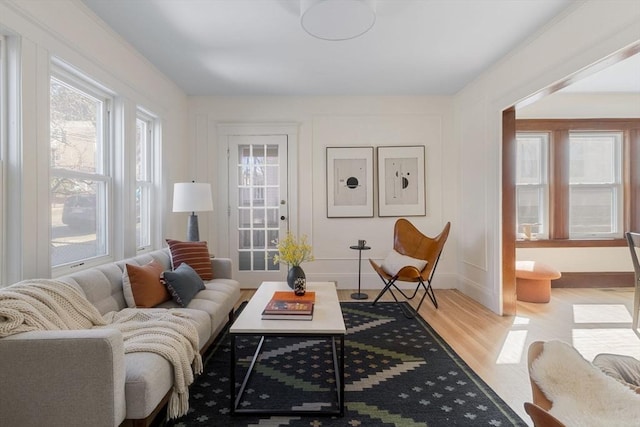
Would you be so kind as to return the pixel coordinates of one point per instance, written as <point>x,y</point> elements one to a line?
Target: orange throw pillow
<point>195,254</point>
<point>148,291</point>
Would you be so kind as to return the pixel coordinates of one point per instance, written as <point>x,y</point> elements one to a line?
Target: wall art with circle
<point>401,181</point>
<point>349,182</point>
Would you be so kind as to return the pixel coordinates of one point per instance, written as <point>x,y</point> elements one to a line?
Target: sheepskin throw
<point>54,305</point>
<point>581,394</point>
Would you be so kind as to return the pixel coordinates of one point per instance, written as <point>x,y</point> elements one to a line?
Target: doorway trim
<point>509,301</point>
<point>508,255</point>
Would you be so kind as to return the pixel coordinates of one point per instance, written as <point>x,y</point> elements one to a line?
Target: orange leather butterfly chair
<point>409,241</point>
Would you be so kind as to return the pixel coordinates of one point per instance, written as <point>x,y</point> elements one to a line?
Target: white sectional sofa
<point>83,377</point>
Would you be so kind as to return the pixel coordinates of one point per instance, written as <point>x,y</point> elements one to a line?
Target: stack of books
<point>286,305</point>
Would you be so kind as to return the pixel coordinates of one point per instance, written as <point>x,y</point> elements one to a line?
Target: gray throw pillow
<point>183,284</point>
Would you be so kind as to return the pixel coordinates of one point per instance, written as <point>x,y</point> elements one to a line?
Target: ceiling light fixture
<point>337,20</point>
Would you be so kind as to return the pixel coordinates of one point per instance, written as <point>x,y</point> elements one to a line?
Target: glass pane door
<point>258,205</point>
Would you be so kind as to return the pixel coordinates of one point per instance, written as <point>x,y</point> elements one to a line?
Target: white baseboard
<point>372,281</point>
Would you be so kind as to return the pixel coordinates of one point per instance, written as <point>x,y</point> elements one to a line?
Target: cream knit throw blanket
<point>53,305</point>
<point>169,333</point>
<point>45,305</point>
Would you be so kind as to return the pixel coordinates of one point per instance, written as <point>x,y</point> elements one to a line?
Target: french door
<point>258,206</point>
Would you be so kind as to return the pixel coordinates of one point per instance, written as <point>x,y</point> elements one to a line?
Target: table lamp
<point>192,197</point>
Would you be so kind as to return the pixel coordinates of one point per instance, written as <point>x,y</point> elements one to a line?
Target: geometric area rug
<point>398,372</point>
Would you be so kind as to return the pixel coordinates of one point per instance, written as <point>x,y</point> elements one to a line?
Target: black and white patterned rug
<point>398,372</point>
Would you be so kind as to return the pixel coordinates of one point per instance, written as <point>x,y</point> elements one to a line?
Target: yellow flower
<point>293,252</point>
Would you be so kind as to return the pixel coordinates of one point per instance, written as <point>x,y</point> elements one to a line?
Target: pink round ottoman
<point>533,281</point>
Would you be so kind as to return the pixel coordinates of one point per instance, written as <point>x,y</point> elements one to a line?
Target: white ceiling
<point>257,47</point>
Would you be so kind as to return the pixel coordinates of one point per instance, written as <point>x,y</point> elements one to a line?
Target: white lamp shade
<point>337,19</point>
<point>192,197</point>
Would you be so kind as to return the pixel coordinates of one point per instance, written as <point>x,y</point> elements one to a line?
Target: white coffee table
<point>327,322</point>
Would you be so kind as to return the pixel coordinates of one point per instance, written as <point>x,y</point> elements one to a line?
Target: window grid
<point>258,208</point>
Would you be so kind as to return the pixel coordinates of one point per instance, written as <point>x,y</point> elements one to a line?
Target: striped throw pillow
<point>194,254</point>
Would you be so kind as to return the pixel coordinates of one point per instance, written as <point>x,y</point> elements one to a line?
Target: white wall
<point>463,184</point>
<point>68,30</point>
<point>576,260</point>
<point>582,106</point>
<point>341,121</point>
<point>561,105</point>
<point>587,33</point>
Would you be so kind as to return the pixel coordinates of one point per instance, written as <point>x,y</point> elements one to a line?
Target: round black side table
<point>359,295</point>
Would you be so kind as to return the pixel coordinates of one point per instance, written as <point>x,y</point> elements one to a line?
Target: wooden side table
<point>359,295</point>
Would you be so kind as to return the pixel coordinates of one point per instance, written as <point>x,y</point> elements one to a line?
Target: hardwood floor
<point>592,320</point>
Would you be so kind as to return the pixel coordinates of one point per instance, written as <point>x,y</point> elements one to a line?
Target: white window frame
<point>147,185</point>
<point>541,230</point>
<point>103,173</point>
<point>4,104</point>
<point>616,187</point>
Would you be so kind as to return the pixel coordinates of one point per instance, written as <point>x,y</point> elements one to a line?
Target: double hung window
<point>80,172</point>
<point>532,185</point>
<point>3,138</point>
<point>144,179</point>
<point>576,180</point>
<point>595,184</point>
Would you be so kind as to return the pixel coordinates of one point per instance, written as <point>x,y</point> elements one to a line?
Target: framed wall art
<point>401,181</point>
<point>349,182</point>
